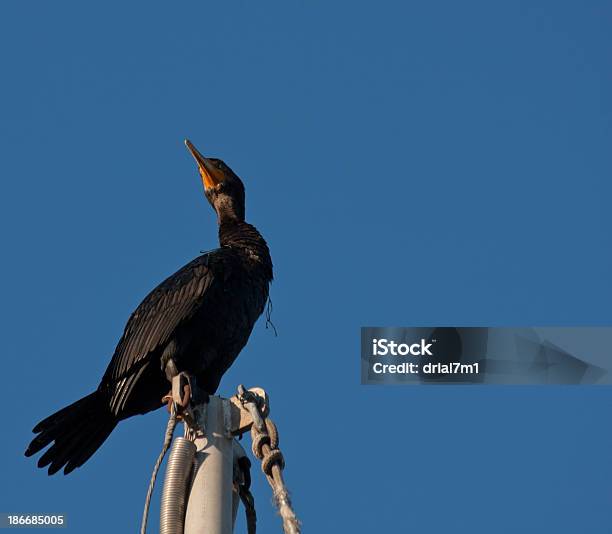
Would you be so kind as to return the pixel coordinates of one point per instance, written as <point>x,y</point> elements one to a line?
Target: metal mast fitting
<point>265,447</point>
<point>210,501</point>
<point>208,472</point>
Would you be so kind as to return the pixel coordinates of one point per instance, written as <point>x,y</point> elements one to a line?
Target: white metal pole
<point>209,504</point>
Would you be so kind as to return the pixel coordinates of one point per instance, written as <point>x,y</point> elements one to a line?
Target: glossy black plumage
<point>200,317</point>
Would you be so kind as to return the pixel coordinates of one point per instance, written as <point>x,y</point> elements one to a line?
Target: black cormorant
<point>198,319</point>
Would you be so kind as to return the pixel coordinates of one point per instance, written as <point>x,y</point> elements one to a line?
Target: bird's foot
<point>180,404</point>
<point>185,391</point>
<point>180,394</point>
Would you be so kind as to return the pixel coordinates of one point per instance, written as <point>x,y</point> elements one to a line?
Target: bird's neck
<point>246,239</point>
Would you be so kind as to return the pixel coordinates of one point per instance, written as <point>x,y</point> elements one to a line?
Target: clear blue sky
<point>409,163</point>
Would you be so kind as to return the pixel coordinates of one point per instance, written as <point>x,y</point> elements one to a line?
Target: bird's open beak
<point>211,176</point>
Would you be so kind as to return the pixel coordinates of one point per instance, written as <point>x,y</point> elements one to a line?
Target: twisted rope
<point>265,447</point>
<point>167,440</point>
<point>249,509</point>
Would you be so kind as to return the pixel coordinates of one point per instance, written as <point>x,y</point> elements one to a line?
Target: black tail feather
<point>78,431</point>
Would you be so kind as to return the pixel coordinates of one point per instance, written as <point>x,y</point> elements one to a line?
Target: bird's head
<point>222,187</point>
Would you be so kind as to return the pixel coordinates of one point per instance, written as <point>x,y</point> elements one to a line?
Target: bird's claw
<point>181,397</point>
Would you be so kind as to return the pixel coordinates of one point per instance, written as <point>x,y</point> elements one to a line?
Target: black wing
<point>152,324</point>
